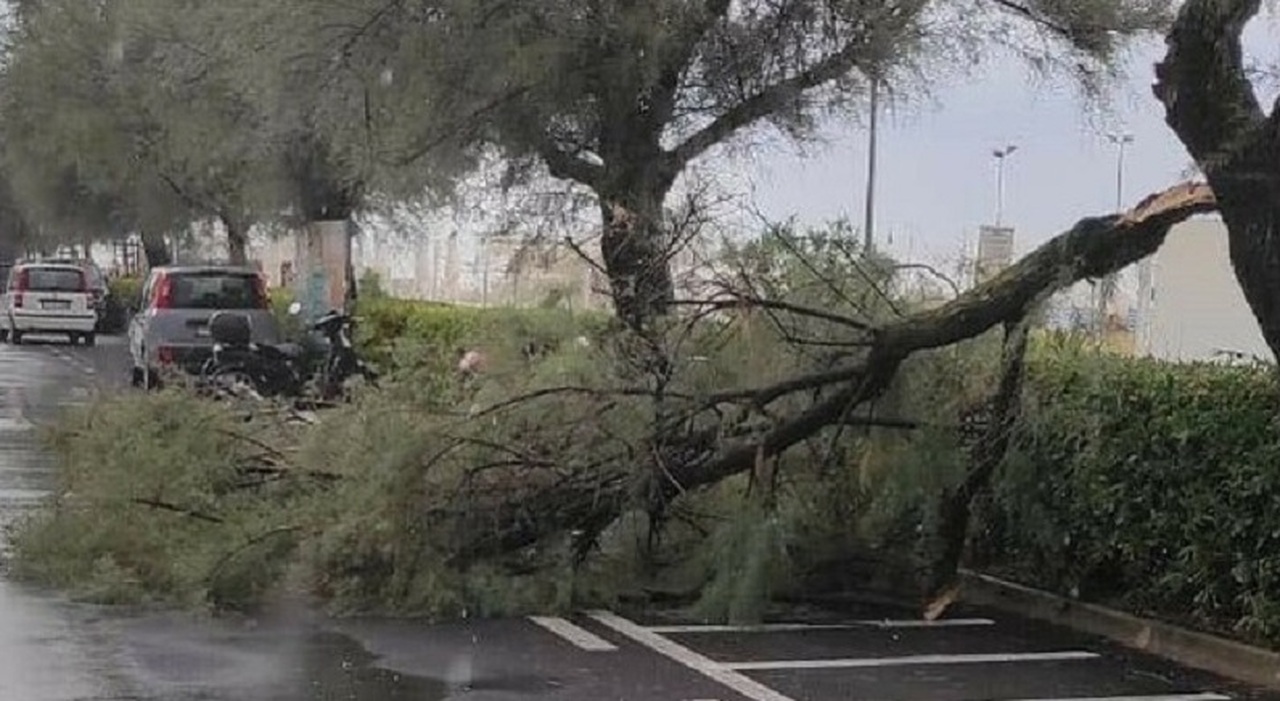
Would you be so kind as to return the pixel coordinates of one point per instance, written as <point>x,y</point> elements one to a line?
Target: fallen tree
<point>521,499</point>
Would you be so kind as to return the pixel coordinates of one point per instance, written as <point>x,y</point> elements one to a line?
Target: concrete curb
<point>1227,658</point>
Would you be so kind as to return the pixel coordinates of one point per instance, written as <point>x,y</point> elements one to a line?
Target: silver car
<point>170,330</point>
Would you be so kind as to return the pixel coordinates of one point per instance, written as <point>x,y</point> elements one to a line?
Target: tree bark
<point>636,256</point>
<point>1211,106</point>
<point>156,249</point>
<point>517,505</point>
<point>237,240</point>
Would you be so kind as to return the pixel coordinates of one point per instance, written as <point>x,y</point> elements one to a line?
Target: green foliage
<point>127,291</point>
<point>1148,484</point>
<point>408,332</point>
<point>370,285</point>
<point>124,297</point>
<point>141,481</point>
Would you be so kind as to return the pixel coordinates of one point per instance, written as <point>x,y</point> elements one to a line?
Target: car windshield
<point>215,291</point>
<point>54,280</point>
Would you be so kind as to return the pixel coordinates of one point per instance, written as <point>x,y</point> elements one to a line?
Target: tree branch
<point>753,302</point>
<point>1092,248</point>
<point>567,166</point>
<point>667,85</point>
<point>766,102</point>
<point>1208,100</point>
<point>173,508</point>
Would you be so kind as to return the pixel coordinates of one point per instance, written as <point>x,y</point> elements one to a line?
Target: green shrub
<point>397,332</point>
<point>1147,484</point>
<point>124,296</point>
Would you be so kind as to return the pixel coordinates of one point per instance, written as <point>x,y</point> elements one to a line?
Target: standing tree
<point>1212,107</point>
<point>621,97</point>
<point>117,107</point>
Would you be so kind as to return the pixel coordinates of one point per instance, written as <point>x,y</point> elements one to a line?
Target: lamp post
<point>1001,154</point>
<point>868,225</point>
<point>1106,288</point>
<point>1121,141</point>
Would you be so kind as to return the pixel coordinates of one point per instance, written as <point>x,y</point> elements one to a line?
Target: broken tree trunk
<point>951,529</point>
<point>519,505</point>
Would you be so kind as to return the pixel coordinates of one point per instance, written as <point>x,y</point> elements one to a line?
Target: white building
<point>1196,310</point>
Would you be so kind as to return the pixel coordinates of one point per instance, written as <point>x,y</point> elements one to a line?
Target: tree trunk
<point>951,529</point>
<point>237,240</point>
<point>1212,107</point>
<point>637,249</point>
<point>156,249</point>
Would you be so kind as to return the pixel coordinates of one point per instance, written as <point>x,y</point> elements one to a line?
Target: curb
<point>1227,658</point>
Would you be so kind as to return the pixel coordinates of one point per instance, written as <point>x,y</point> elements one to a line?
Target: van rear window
<point>216,291</point>
<point>54,280</point>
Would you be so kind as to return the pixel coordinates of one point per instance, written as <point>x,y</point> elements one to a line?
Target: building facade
<point>1193,308</point>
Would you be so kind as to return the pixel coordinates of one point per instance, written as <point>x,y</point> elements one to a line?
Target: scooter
<point>239,365</point>
<point>341,362</point>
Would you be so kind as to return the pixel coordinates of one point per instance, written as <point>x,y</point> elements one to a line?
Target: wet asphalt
<point>52,649</point>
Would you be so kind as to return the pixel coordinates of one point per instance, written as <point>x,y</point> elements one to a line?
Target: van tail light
<point>166,355</point>
<point>23,282</point>
<point>164,293</point>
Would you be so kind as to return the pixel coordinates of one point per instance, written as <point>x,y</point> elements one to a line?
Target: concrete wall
<point>1197,308</point>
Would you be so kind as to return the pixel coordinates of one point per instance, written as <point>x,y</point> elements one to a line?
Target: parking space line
<point>705,666</point>
<point>910,660</point>
<point>800,627</point>
<point>1154,697</point>
<point>580,637</point>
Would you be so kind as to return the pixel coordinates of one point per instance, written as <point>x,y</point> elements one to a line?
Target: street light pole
<point>1121,141</point>
<point>868,225</point>
<point>1001,154</point>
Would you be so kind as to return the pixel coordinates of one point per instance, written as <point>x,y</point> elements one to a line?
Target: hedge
<point>1148,485</point>
<point>438,330</point>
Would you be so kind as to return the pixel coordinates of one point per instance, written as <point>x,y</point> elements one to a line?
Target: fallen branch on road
<point>539,504</point>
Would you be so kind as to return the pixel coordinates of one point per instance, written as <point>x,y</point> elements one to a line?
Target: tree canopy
<point>158,112</point>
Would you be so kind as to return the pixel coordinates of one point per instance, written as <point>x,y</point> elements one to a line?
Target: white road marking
<point>912,660</point>
<point>800,627</point>
<point>15,424</point>
<point>705,666</point>
<point>1154,697</point>
<point>580,637</point>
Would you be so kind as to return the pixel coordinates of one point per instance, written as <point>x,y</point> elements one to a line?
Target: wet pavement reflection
<point>52,649</point>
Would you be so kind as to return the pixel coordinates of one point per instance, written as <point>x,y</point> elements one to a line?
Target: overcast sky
<point>936,181</point>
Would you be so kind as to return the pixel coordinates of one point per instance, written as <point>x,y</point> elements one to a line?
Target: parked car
<point>96,279</point>
<point>171,329</point>
<point>48,298</point>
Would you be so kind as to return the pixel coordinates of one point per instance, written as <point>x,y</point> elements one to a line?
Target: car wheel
<point>16,337</point>
<point>4,335</point>
<point>90,339</point>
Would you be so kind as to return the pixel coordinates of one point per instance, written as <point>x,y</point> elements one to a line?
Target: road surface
<point>55,650</point>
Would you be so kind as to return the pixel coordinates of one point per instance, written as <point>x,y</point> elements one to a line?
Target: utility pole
<point>1001,154</point>
<point>1121,141</point>
<point>1108,284</point>
<point>869,210</point>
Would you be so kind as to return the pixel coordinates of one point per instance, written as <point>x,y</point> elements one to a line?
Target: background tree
<point>621,97</point>
<point>116,120</point>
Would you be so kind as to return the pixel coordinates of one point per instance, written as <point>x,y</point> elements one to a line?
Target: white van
<point>48,298</point>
